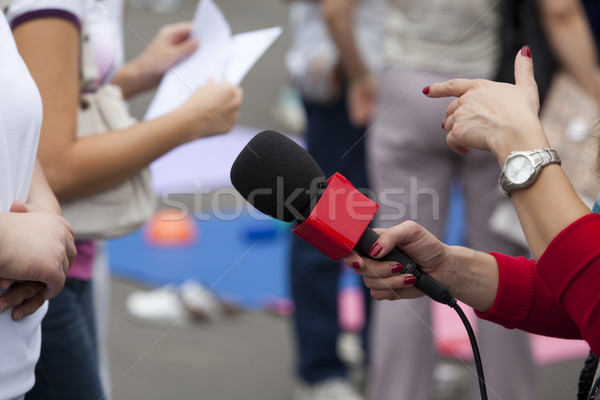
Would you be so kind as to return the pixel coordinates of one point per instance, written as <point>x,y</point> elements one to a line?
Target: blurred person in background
<point>332,63</point>
<point>48,36</point>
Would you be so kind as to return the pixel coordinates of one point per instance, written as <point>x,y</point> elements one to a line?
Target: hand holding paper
<point>219,57</point>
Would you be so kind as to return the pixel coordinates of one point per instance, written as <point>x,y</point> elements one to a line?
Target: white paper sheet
<point>203,164</point>
<point>219,56</point>
<point>246,50</point>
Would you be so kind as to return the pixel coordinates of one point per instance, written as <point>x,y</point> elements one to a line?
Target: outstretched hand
<point>493,116</point>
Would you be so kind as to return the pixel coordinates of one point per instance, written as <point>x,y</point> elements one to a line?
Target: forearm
<point>41,196</point>
<point>470,276</point>
<point>339,15</point>
<point>98,162</point>
<point>571,40</point>
<point>132,80</point>
<point>547,207</point>
<point>550,204</point>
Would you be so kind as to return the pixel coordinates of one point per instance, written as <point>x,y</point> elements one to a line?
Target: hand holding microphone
<point>280,179</point>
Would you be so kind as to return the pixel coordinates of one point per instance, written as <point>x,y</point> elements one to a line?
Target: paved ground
<point>250,356</point>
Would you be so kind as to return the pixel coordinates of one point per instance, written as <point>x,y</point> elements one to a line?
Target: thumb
<point>18,207</point>
<point>187,47</point>
<point>524,70</point>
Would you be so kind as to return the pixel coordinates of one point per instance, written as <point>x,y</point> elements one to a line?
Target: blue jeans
<point>68,365</point>
<point>314,277</point>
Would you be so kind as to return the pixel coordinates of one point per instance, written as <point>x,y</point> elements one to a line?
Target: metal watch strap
<point>541,157</point>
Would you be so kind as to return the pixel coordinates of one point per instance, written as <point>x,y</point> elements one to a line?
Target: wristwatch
<point>522,168</point>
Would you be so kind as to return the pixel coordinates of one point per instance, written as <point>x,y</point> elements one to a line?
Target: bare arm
<point>362,87</point>
<point>79,167</point>
<point>33,267</point>
<point>41,196</point>
<point>339,15</point>
<point>571,40</point>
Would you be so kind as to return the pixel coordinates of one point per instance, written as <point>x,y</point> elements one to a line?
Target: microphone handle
<point>425,282</point>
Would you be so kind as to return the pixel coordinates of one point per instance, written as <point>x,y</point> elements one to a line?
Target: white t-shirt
<point>455,36</point>
<point>20,122</point>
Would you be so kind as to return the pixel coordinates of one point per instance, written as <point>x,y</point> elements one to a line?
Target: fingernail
<point>356,265</point>
<point>17,315</point>
<point>442,124</point>
<point>397,268</point>
<point>410,280</point>
<point>526,51</point>
<point>426,89</point>
<point>375,250</point>
<point>3,307</point>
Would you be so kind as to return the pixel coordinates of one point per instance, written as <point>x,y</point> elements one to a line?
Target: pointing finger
<point>451,88</point>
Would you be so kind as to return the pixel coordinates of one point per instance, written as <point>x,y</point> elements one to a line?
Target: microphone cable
<point>476,356</point>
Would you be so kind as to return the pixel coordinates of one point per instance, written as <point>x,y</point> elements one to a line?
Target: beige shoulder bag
<point>122,208</point>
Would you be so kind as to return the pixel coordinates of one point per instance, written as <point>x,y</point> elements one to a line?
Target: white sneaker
<point>331,389</point>
<point>189,303</point>
<point>198,299</point>
<point>161,306</point>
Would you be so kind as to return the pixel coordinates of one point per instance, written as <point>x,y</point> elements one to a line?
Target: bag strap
<point>89,75</point>
<point>586,377</point>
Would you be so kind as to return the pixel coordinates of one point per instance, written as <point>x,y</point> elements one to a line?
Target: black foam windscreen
<point>276,175</point>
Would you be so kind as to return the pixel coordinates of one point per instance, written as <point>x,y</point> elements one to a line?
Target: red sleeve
<point>570,268</point>
<point>524,302</point>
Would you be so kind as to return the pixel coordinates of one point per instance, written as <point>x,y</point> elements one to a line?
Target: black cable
<point>473,340</point>
<point>586,377</point>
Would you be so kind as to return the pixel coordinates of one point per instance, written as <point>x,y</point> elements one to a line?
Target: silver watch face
<point>518,169</point>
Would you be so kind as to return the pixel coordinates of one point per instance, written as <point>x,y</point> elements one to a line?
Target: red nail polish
<point>397,268</point>
<point>356,265</point>
<point>410,280</point>
<point>526,51</point>
<point>426,89</point>
<point>442,124</point>
<point>375,250</point>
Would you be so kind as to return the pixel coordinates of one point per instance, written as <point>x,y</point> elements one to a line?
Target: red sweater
<point>560,296</point>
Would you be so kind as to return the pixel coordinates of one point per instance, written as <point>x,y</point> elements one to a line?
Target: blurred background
<point>246,357</point>
<point>249,355</point>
